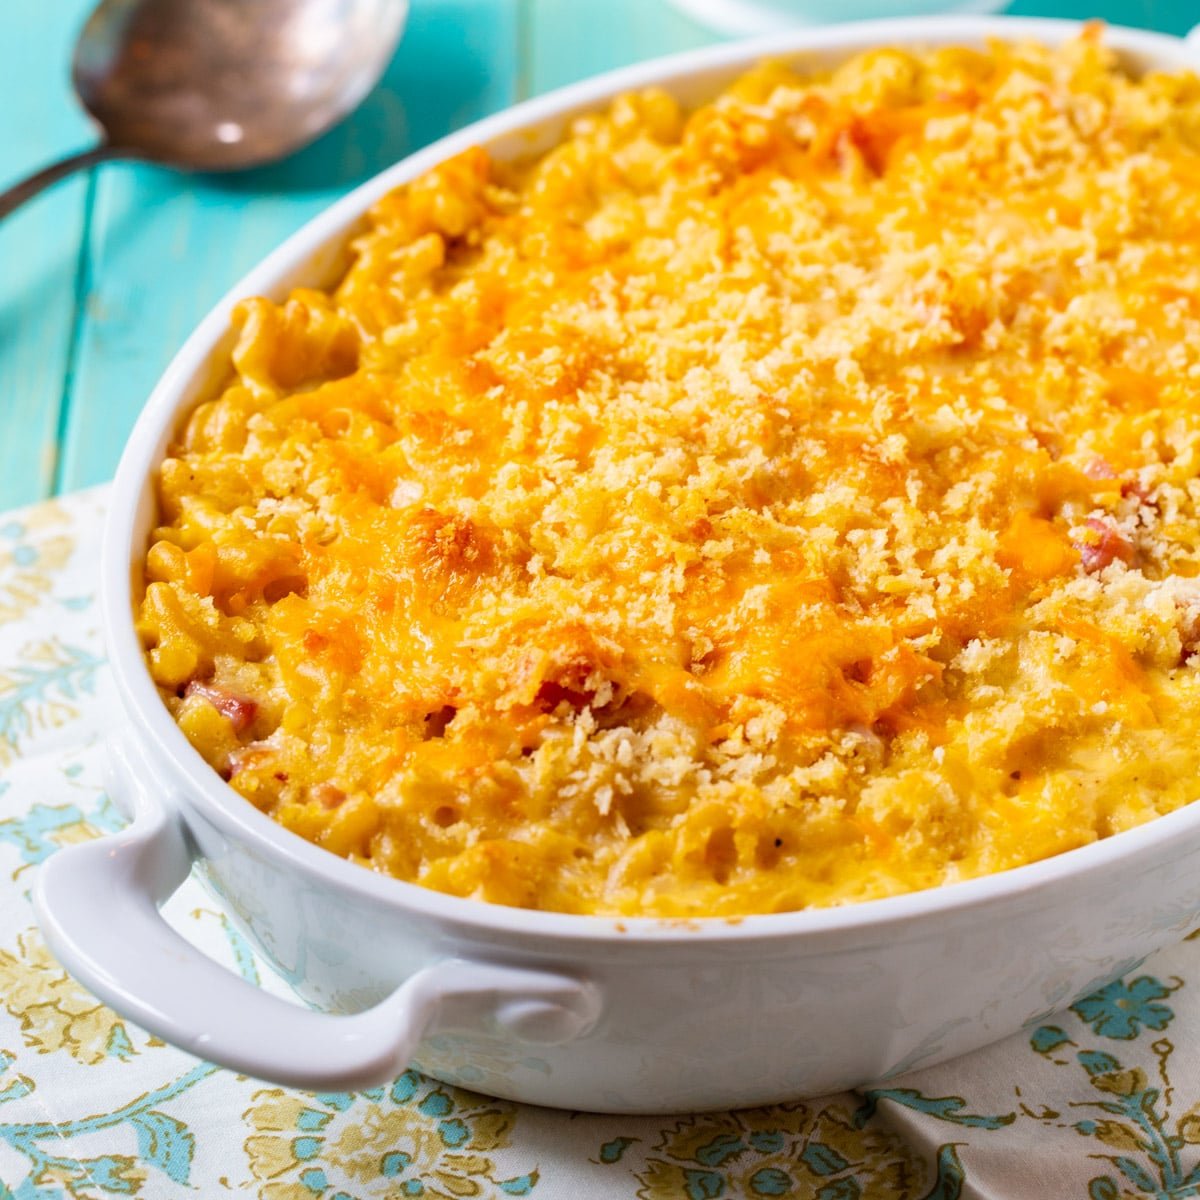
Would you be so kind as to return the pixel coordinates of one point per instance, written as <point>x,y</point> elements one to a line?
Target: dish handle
<point>98,906</point>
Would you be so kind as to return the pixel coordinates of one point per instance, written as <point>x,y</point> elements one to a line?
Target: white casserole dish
<point>581,1012</point>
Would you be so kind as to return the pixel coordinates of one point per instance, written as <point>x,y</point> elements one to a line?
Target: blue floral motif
<point>1132,1117</point>
<point>613,1151</point>
<point>43,689</point>
<point>1126,1111</point>
<point>944,1108</point>
<point>161,1141</point>
<point>1048,1038</point>
<point>1120,1009</point>
<point>821,1152</point>
<point>36,833</point>
<point>418,1137</point>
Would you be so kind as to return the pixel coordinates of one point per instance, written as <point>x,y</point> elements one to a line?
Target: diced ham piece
<point>238,710</point>
<point>1105,547</point>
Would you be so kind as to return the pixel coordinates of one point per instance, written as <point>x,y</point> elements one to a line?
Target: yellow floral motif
<point>790,1150</point>
<point>1189,1125</point>
<point>42,690</point>
<point>416,1138</point>
<point>54,1011</point>
<point>31,553</point>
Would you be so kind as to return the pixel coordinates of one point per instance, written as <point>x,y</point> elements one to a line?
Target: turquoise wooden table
<point>101,280</point>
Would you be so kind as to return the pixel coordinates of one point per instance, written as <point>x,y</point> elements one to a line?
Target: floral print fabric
<point>1101,1102</point>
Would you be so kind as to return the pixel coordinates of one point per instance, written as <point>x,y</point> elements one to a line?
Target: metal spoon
<point>220,85</point>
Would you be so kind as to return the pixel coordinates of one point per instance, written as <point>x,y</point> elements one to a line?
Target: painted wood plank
<point>164,247</point>
<point>40,244</point>
<point>566,40</point>
<point>1166,16</point>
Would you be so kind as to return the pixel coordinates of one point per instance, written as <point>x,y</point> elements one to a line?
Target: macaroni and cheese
<point>787,504</point>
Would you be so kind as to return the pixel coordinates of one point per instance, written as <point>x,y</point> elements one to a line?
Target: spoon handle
<point>13,197</point>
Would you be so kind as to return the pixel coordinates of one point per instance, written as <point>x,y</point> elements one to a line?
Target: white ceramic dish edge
<point>599,995</point>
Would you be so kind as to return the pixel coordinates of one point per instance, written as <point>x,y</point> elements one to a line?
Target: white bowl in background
<point>639,1015</point>
<point>746,18</point>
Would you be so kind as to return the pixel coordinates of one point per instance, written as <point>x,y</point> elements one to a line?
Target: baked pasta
<point>787,504</point>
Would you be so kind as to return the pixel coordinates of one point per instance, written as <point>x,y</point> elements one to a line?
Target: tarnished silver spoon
<point>220,85</point>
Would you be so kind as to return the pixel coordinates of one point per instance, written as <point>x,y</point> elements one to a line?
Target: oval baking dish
<point>638,1015</point>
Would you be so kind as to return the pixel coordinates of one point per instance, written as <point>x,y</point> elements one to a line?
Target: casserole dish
<point>587,1012</point>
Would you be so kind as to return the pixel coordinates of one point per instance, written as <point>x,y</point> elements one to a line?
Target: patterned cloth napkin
<point>1103,1103</point>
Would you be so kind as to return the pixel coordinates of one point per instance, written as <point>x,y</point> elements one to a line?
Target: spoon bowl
<point>221,85</point>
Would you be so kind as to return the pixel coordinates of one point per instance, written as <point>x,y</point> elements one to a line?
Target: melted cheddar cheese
<point>786,504</point>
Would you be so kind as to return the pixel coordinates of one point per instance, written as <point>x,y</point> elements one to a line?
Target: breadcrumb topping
<point>786,504</point>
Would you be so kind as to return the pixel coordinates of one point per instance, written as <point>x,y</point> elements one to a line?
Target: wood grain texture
<point>39,244</point>
<point>101,281</point>
<point>163,248</point>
